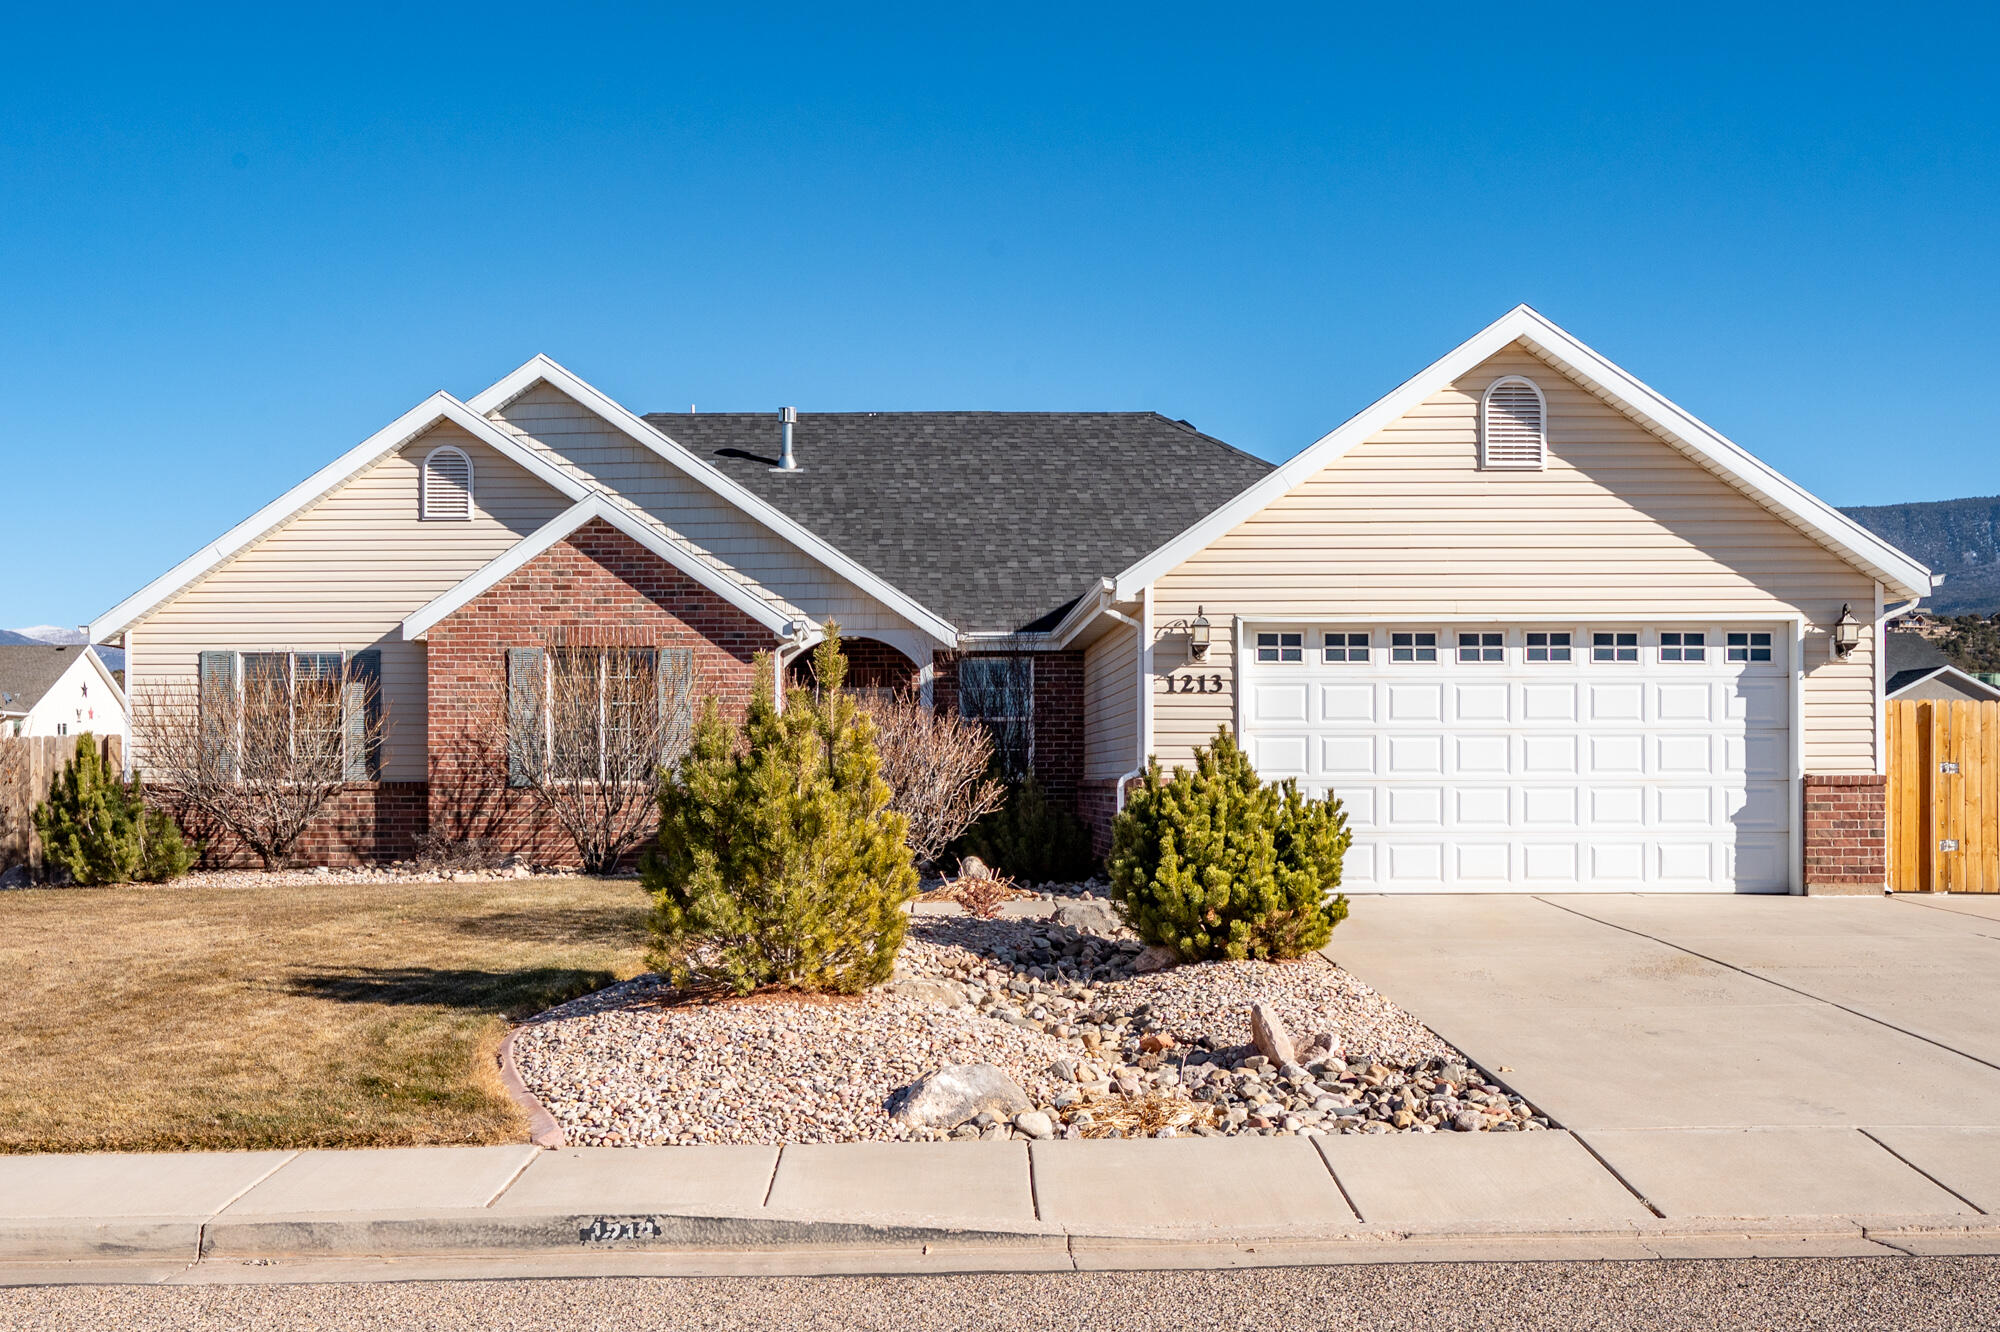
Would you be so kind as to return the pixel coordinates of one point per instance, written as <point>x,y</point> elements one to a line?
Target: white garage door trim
<point>1782,762</point>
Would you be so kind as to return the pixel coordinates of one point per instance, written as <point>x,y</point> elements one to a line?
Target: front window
<point>999,693</point>
<point>603,713</point>
<point>291,711</point>
<point>1481,647</point>
<point>1413,647</point>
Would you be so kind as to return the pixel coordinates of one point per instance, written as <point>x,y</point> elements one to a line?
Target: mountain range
<point>1958,538</point>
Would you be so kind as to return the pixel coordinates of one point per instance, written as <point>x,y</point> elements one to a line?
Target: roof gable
<point>439,407</point>
<point>542,370</point>
<point>1902,575</point>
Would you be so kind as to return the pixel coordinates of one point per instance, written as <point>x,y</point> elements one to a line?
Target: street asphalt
<point>1873,1293</point>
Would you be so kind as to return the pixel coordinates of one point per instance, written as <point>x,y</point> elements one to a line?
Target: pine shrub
<point>779,861</point>
<point>1212,863</point>
<point>95,828</point>
<point>1031,838</point>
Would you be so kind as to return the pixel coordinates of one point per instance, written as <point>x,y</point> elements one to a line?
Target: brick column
<point>1846,833</point>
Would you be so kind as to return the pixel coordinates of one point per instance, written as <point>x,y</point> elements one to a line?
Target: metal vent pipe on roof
<point>789,416</point>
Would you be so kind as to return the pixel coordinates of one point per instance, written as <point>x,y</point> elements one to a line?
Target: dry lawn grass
<point>154,1019</point>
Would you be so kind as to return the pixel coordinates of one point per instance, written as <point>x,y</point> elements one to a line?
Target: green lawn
<point>156,1019</point>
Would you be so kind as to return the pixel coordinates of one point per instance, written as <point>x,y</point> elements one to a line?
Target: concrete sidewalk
<point>979,1206</point>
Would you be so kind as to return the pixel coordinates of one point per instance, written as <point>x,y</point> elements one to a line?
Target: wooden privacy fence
<point>1944,796</point>
<point>29,765</point>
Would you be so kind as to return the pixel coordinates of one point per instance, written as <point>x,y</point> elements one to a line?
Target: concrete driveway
<point>1725,1055</point>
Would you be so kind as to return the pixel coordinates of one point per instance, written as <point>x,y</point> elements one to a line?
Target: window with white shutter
<point>447,485</point>
<point>1513,426</point>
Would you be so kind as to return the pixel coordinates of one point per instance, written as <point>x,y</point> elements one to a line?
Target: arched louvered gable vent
<point>447,484</point>
<point>1513,426</point>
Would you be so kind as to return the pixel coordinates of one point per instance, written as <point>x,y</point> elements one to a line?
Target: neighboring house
<point>47,690</point>
<point>1918,670</point>
<point>1537,626</point>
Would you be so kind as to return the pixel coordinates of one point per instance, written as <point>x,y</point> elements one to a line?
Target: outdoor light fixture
<point>1197,632</point>
<point>1846,633</point>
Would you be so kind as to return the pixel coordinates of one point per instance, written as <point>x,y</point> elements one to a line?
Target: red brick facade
<point>367,823</point>
<point>598,588</point>
<point>1846,833</point>
<point>871,664</point>
<point>1097,806</point>
<point>1058,721</point>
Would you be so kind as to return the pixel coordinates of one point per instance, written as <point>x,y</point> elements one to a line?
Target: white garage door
<point>1536,757</point>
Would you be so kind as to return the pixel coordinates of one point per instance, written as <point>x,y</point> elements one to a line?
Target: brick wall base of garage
<point>1097,806</point>
<point>1846,833</point>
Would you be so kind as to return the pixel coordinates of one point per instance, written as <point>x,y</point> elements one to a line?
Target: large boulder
<point>1267,1032</point>
<point>1091,915</point>
<point>957,1093</point>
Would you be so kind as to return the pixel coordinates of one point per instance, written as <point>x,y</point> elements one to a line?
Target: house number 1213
<point>1193,684</point>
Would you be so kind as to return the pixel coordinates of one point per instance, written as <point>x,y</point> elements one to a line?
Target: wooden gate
<point>1944,796</point>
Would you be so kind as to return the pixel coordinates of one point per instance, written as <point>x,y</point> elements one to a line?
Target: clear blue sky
<point>233,244</point>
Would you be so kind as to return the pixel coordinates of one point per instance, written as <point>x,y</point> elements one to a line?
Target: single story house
<point>1917,669</point>
<point>48,689</point>
<point>1538,627</point>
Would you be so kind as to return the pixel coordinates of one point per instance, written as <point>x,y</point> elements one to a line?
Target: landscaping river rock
<point>1026,1026</point>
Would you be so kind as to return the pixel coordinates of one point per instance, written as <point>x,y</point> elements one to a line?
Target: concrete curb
<point>543,1131</point>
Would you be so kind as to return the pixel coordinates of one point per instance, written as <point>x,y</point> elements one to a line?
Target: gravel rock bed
<point>400,872</point>
<point>1054,995</point>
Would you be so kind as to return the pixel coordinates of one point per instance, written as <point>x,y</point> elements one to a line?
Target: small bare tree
<point>937,765</point>
<point>259,763</point>
<point>587,745</point>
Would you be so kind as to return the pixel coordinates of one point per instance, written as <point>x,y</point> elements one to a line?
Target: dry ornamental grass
<point>350,1015</point>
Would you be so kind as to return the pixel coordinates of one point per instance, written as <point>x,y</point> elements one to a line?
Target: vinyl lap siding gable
<point>1111,705</point>
<point>1407,526</point>
<point>599,454</point>
<point>342,575</point>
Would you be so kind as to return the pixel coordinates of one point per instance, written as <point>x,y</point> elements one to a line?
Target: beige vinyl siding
<point>1406,526</point>
<point>343,574</point>
<point>595,451</point>
<point>1111,705</point>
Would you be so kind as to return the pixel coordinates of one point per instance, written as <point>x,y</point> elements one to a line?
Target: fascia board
<point>438,407</point>
<point>1825,523</point>
<point>542,369</point>
<point>548,534</point>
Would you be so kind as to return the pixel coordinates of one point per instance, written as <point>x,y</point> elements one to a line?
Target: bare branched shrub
<point>587,741</point>
<point>259,763</point>
<point>441,853</point>
<point>937,766</point>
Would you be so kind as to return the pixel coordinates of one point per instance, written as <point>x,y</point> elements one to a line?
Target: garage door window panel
<point>1683,646</point>
<point>1751,646</point>
<point>1345,647</point>
<point>1617,646</point>
<point>1548,647</point>
<point>1482,647</point>
<point>1281,647</point>
<point>1413,647</point>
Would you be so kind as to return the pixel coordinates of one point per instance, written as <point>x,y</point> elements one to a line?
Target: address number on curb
<point>1193,684</point>
<point>619,1230</point>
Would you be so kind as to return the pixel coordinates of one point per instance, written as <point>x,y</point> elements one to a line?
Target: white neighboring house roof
<point>1969,684</point>
<point>436,409</point>
<point>781,618</point>
<point>1900,575</point>
<point>542,370</point>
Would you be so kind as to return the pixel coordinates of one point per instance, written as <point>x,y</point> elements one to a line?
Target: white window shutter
<point>1513,427</point>
<point>447,484</point>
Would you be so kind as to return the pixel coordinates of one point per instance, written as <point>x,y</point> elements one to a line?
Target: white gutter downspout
<point>1142,652</point>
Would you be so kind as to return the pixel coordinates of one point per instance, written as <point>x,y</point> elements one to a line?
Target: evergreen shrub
<point>779,861</point>
<point>95,827</point>
<point>1212,863</point>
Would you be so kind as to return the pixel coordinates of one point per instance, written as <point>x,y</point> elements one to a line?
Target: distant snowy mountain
<point>114,658</point>
<point>41,633</point>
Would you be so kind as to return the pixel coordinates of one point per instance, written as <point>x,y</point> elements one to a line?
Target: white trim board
<point>439,407</point>
<point>1826,524</point>
<point>541,369</point>
<point>548,534</point>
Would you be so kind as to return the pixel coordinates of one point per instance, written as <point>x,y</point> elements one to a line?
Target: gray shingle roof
<point>1908,658</point>
<point>997,521</point>
<point>29,670</point>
